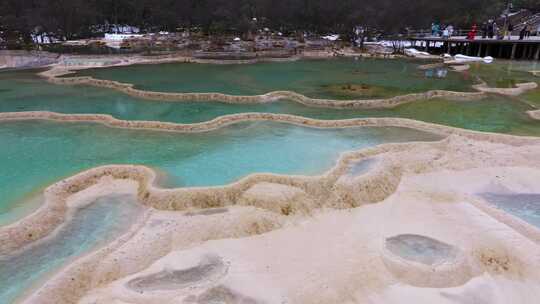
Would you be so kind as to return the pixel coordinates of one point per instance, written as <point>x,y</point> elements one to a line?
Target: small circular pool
<point>421,249</point>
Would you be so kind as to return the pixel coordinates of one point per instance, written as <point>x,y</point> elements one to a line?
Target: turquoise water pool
<point>313,78</point>
<point>504,73</point>
<point>36,154</point>
<point>24,91</point>
<point>524,206</point>
<point>90,226</point>
<point>421,249</point>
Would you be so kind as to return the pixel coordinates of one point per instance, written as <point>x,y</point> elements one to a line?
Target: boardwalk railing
<point>513,48</point>
<point>429,33</point>
<point>533,21</point>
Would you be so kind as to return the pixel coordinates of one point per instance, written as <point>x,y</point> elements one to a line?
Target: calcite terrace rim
<point>231,119</point>
<point>518,90</point>
<point>55,71</point>
<point>53,213</point>
<point>40,223</point>
<point>147,176</point>
<point>54,74</point>
<point>382,172</point>
<point>482,90</point>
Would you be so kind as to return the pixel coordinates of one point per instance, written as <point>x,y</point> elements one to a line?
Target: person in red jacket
<point>472,34</point>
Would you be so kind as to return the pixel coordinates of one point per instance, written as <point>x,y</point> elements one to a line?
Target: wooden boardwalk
<point>527,49</point>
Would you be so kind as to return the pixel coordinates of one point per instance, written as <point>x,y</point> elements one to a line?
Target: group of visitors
<point>447,31</point>
<point>441,30</point>
<point>527,30</point>
<point>492,30</point>
<point>489,30</point>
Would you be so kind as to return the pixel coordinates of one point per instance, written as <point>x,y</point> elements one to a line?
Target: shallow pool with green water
<point>314,78</point>
<point>504,73</point>
<point>24,91</point>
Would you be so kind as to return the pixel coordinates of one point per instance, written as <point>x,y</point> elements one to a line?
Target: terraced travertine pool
<point>25,91</point>
<point>37,153</point>
<point>504,74</point>
<point>313,78</point>
<point>90,226</point>
<point>522,205</point>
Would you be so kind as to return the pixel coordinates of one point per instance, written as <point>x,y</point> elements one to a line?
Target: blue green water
<point>503,73</point>
<point>313,78</point>
<point>90,227</point>
<point>420,249</point>
<point>532,98</point>
<point>36,154</point>
<point>24,91</point>
<point>523,206</point>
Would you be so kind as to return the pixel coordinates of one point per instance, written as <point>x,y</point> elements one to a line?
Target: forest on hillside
<point>70,19</point>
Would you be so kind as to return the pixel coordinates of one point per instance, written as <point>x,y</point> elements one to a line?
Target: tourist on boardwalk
<point>446,33</point>
<point>450,29</point>
<point>509,30</point>
<point>527,31</point>
<point>484,30</point>
<point>495,31</point>
<point>499,33</point>
<point>490,29</point>
<point>435,28</point>
<point>472,34</point>
<point>522,33</point>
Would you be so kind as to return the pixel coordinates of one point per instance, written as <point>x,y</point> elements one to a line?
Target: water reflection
<point>436,73</point>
